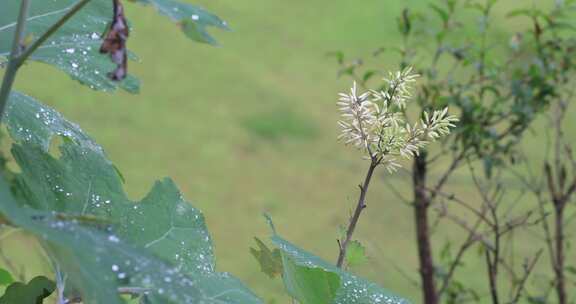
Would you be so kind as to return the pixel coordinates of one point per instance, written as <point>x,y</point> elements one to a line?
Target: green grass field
<point>250,127</point>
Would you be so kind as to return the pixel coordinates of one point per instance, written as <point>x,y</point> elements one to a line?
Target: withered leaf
<point>114,43</point>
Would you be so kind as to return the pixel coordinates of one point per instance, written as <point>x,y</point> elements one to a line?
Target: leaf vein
<point>37,17</point>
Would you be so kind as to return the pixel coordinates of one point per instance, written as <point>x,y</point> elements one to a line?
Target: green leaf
<point>310,285</point>
<point>352,289</point>
<point>74,48</point>
<point>270,260</point>
<point>100,238</point>
<point>355,254</point>
<point>34,292</point>
<point>5,278</point>
<point>193,20</point>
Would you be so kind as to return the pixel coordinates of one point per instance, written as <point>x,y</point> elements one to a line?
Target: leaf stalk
<point>12,68</point>
<point>50,31</point>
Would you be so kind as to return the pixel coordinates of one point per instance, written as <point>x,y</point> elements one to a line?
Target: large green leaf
<point>74,48</point>
<point>97,262</point>
<point>102,239</point>
<point>352,289</point>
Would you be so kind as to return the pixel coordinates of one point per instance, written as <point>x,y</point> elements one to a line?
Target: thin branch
<point>12,68</point>
<point>453,198</point>
<point>519,221</point>
<point>464,225</point>
<point>343,244</point>
<point>455,162</point>
<point>51,30</point>
<point>18,55</point>
<point>547,232</point>
<point>528,268</point>
<point>492,276</point>
<point>470,240</point>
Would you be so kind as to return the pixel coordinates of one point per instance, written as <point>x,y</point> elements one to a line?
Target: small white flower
<point>375,121</point>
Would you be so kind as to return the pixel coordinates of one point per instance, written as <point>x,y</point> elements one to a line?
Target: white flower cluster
<point>375,121</point>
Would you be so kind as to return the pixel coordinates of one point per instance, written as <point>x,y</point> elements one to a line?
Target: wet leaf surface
<point>74,49</point>
<point>101,239</point>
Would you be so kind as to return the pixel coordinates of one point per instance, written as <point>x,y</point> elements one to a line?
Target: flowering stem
<point>343,244</point>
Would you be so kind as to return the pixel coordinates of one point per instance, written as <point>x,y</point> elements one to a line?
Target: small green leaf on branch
<point>270,260</point>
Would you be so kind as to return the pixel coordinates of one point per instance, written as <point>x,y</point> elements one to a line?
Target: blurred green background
<point>250,127</point>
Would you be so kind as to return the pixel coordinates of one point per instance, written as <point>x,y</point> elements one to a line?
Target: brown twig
<point>452,197</point>
<point>528,268</point>
<point>360,206</point>
<point>470,240</point>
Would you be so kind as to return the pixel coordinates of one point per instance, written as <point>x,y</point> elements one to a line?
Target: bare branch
<point>528,268</point>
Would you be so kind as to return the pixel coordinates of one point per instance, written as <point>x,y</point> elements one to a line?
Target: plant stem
<point>559,242</point>
<point>343,245</point>
<point>470,240</point>
<point>492,277</point>
<point>12,68</point>
<point>421,204</point>
<point>50,31</point>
